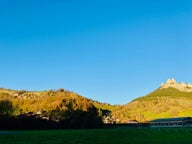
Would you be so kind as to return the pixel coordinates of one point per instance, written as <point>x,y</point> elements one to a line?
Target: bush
<point>6,107</point>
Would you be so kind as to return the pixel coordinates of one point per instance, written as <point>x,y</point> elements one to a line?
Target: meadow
<point>99,136</point>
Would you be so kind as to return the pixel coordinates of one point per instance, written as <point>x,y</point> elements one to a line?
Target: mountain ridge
<point>171,99</point>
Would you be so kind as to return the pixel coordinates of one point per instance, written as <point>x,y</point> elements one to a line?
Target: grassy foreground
<point>100,136</point>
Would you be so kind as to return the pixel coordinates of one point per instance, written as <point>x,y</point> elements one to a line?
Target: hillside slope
<point>172,99</point>
<point>46,102</point>
<point>47,110</point>
<point>26,101</point>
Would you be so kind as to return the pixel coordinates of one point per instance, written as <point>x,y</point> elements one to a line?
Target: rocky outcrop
<point>185,87</point>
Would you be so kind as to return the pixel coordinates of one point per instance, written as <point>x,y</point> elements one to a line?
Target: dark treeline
<point>54,119</point>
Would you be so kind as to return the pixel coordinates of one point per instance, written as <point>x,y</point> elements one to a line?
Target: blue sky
<point>107,50</point>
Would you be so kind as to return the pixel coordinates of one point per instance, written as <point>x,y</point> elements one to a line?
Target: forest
<point>47,110</point>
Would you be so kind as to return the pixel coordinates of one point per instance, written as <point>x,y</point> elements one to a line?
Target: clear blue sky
<point>108,50</point>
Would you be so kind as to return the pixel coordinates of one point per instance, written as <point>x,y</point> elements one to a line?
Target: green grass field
<point>100,136</point>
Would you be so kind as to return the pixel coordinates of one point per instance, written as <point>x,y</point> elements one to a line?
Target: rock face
<point>185,87</point>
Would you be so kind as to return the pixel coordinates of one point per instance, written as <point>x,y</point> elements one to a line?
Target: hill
<point>47,109</point>
<point>171,99</point>
<point>26,101</point>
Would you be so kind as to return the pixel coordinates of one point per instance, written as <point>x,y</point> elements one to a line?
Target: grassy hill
<point>50,101</point>
<point>171,99</point>
<point>47,109</point>
<point>162,103</point>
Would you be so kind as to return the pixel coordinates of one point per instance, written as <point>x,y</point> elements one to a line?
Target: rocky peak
<point>185,87</point>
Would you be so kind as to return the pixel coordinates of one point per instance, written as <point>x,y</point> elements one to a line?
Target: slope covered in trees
<point>62,108</point>
<point>171,99</point>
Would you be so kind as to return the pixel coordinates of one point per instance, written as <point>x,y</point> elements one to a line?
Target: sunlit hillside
<point>166,101</point>
<point>28,101</point>
<point>171,99</point>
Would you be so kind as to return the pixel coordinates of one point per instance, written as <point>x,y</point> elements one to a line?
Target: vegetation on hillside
<point>26,101</point>
<point>60,105</point>
<point>167,92</point>
<point>161,103</point>
<point>62,109</point>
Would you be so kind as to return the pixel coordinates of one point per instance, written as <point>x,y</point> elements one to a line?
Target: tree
<point>6,107</point>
